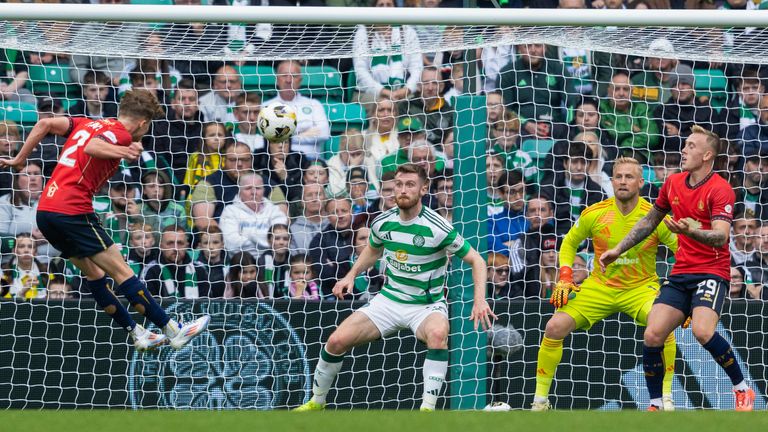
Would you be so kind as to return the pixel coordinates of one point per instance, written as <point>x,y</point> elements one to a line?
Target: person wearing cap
<point>429,106</point>
<point>754,138</point>
<point>409,129</point>
<point>358,190</point>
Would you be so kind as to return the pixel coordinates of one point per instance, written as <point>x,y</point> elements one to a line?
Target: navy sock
<point>136,293</point>
<point>106,298</point>
<point>653,366</point>
<point>723,354</point>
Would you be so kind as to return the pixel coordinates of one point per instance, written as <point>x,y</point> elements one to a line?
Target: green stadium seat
<point>22,113</point>
<point>259,78</point>
<point>322,82</point>
<point>538,149</point>
<point>343,116</point>
<point>52,80</point>
<point>713,84</point>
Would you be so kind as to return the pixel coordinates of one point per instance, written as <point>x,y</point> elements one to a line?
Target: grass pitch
<point>373,421</point>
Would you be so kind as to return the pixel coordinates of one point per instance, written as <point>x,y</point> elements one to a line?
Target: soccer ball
<point>276,122</point>
<point>497,407</point>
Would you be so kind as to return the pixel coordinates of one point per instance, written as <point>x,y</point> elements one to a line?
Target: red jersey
<point>711,199</point>
<point>77,176</point>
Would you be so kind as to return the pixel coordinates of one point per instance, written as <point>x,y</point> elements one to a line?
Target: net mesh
<point>493,111</point>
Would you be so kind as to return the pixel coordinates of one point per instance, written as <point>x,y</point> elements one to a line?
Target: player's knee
<point>336,344</point>
<point>437,338</point>
<point>139,308</point>
<point>557,328</point>
<point>111,309</point>
<point>703,333</point>
<point>653,338</point>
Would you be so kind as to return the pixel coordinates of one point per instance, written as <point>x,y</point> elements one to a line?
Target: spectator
<point>498,276</point>
<point>394,77</point>
<point>247,108</point>
<point>652,84</point>
<point>246,221</point>
<point>303,279</point>
<point>596,167</point>
<point>542,274</point>
<point>162,72</point>
<point>218,104</point>
<point>385,201</point>
<point>627,122</point>
<point>577,63</point>
<point>351,154</point>
<point>218,189</point>
<point>121,207</point>
<point>494,108</point>
<point>59,289</point>
<point>174,273</point>
<point>369,283</point>
<point>745,104</point>
<point>572,189</point>
<point>312,128</point>
<point>97,101</point>
<point>429,106</point>
<point>273,265</point>
<point>494,58</point>
<point>148,79</point>
<point>142,247</point>
<point>533,87</point>
<point>158,208</point>
<point>24,276</point>
<point>178,135</point>
<point>18,209</point>
<point>540,213</point>
<point>241,280</point>
<point>331,249</point>
<point>757,265</point>
<point>408,130</point>
<point>311,221</point>
<point>47,152</point>
<point>494,170</point>
<point>443,193</point>
<point>208,159</point>
<point>422,153</point>
<point>9,143</point>
<point>742,239</point>
<point>582,266</point>
<point>664,165</point>
<point>213,257</point>
<point>282,168</point>
<point>14,76</point>
<point>754,138</point>
<point>505,139</point>
<point>508,225</point>
<point>381,136</point>
<point>750,185</point>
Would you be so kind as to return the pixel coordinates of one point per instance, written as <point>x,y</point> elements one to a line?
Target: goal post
<point>521,93</point>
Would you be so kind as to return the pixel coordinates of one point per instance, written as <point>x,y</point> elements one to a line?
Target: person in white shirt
<point>312,128</point>
<point>381,136</point>
<point>351,154</point>
<point>247,107</point>
<point>218,104</point>
<point>245,223</point>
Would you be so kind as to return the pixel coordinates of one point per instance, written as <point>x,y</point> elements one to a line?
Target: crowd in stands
<point>212,209</point>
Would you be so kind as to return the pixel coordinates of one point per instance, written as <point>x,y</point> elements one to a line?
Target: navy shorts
<point>685,292</point>
<point>77,236</point>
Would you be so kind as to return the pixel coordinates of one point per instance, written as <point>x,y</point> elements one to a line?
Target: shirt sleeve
<point>455,244</point>
<point>374,239</point>
<point>721,202</point>
<point>662,201</point>
<point>578,232</point>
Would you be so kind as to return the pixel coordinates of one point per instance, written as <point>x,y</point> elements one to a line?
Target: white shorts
<point>390,316</point>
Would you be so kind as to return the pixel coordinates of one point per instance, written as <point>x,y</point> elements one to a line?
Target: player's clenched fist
<point>343,287</point>
<point>563,288</point>
<point>134,151</point>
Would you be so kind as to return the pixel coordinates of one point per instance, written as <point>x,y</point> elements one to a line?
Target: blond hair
<point>624,160</point>
<point>713,139</point>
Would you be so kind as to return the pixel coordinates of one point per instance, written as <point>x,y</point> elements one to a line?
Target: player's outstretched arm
<point>100,149</point>
<point>54,125</point>
<point>481,311</point>
<point>368,258</point>
<point>642,229</point>
<point>716,237</point>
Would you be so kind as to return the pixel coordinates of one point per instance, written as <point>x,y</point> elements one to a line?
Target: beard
<point>406,203</point>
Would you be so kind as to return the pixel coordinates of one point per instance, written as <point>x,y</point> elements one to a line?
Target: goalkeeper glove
<point>687,323</point>
<point>562,292</point>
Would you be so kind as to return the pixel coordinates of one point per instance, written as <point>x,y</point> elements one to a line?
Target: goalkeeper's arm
<point>568,250</point>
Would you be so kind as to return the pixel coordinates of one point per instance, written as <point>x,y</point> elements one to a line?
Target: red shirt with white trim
<point>78,176</point>
<point>711,199</point>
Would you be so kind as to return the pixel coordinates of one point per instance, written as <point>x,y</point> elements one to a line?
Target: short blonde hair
<point>713,139</point>
<point>624,160</point>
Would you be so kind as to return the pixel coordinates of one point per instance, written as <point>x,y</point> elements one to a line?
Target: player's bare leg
<point>662,320</point>
<point>669,355</point>
<point>356,330</point>
<point>704,324</point>
<point>143,339</point>
<point>111,261</point>
<point>434,333</point>
<point>550,354</point>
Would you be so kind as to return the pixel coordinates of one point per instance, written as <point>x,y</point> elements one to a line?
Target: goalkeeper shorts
<point>596,302</point>
<point>390,316</point>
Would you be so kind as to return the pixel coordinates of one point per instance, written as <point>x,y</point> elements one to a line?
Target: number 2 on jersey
<point>81,137</point>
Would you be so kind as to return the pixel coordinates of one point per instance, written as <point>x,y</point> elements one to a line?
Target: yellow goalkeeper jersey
<point>607,226</point>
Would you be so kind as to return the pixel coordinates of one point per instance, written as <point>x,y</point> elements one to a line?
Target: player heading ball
<point>65,215</point>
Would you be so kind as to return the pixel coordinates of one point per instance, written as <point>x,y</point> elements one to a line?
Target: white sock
<point>657,402</point>
<point>171,329</point>
<point>328,367</point>
<point>539,399</point>
<point>137,332</point>
<point>742,386</point>
<point>434,377</point>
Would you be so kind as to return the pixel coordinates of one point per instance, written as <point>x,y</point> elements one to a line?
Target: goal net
<point>517,126</point>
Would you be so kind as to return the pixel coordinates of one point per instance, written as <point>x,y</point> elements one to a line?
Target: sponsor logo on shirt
<point>405,267</point>
<point>401,255</point>
<point>628,261</point>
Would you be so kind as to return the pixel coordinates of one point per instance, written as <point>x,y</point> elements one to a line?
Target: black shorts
<point>77,236</point>
<point>685,292</point>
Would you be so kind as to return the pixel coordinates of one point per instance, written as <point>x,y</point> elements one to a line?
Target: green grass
<point>371,421</point>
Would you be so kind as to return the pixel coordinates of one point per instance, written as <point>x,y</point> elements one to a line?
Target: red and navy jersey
<point>709,200</point>
<point>78,176</point>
